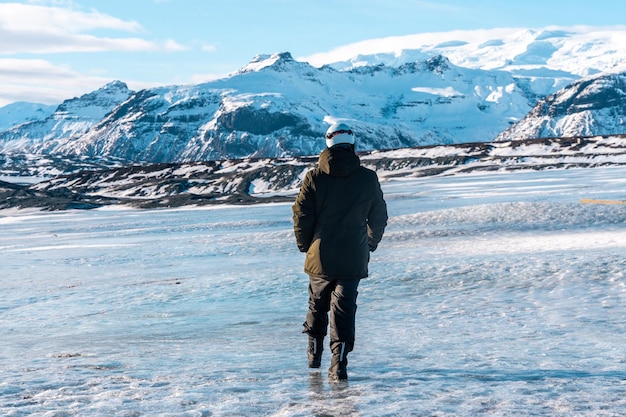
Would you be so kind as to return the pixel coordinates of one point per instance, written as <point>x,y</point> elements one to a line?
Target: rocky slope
<point>590,106</point>
<point>254,180</point>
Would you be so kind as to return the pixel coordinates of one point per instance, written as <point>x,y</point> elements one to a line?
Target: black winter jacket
<point>339,216</point>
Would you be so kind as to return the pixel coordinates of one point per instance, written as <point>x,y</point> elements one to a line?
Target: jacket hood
<point>338,162</point>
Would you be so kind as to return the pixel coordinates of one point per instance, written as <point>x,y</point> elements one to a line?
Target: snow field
<point>491,294</point>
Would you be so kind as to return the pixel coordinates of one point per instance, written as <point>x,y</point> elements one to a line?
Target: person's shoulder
<point>367,172</point>
<point>313,175</point>
<point>314,172</point>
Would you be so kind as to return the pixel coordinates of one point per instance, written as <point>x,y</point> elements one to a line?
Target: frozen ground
<point>491,294</point>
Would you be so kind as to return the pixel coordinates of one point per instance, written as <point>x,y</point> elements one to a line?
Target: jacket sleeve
<point>304,214</point>
<point>377,218</point>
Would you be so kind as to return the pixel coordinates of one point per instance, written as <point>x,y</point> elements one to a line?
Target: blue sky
<point>51,50</point>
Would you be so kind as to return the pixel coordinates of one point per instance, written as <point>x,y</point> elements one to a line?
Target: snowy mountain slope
<point>542,60</point>
<point>590,106</point>
<point>20,112</point>
<point>551,54</point>
<point>420,90</point>
<point>277,106</point>
<point>70,120</point>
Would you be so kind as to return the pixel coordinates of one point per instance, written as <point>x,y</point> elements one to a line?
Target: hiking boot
<point>338,370</point>
<point>314,351</point>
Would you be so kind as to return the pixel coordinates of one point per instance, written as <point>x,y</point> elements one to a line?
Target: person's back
<point>339,217</point>
<point>346,198</point>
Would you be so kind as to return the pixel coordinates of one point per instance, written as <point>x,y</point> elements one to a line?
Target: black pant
<point>339,297</point>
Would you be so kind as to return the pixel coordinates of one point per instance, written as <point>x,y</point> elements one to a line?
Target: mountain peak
<point>115,85</point>
<point>261,61</point>
<point>438,64</point>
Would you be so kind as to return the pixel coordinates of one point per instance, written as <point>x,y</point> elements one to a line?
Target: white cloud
<point>31,28</point>
<point>40,81</point>
<point>57,3</point>
<point>209,47</point>
<point>61,26</point>
<point>33,18</point>
<point>173,46</point>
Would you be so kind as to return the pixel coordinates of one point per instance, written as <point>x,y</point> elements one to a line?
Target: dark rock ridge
<point>255,180</point>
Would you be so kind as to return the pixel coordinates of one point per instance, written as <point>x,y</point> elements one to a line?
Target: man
<point>339,217</point>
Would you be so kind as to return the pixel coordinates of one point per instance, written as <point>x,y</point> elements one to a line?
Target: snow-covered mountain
<point>591,106</point>
<point>20,112</point>
<point>552,53</point>
<point>70,120</point>
<point>444,88</point>
<point>424,90</point>
<point>276,106</point>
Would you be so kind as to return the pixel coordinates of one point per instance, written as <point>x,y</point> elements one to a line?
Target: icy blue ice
<point>494,294</point>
